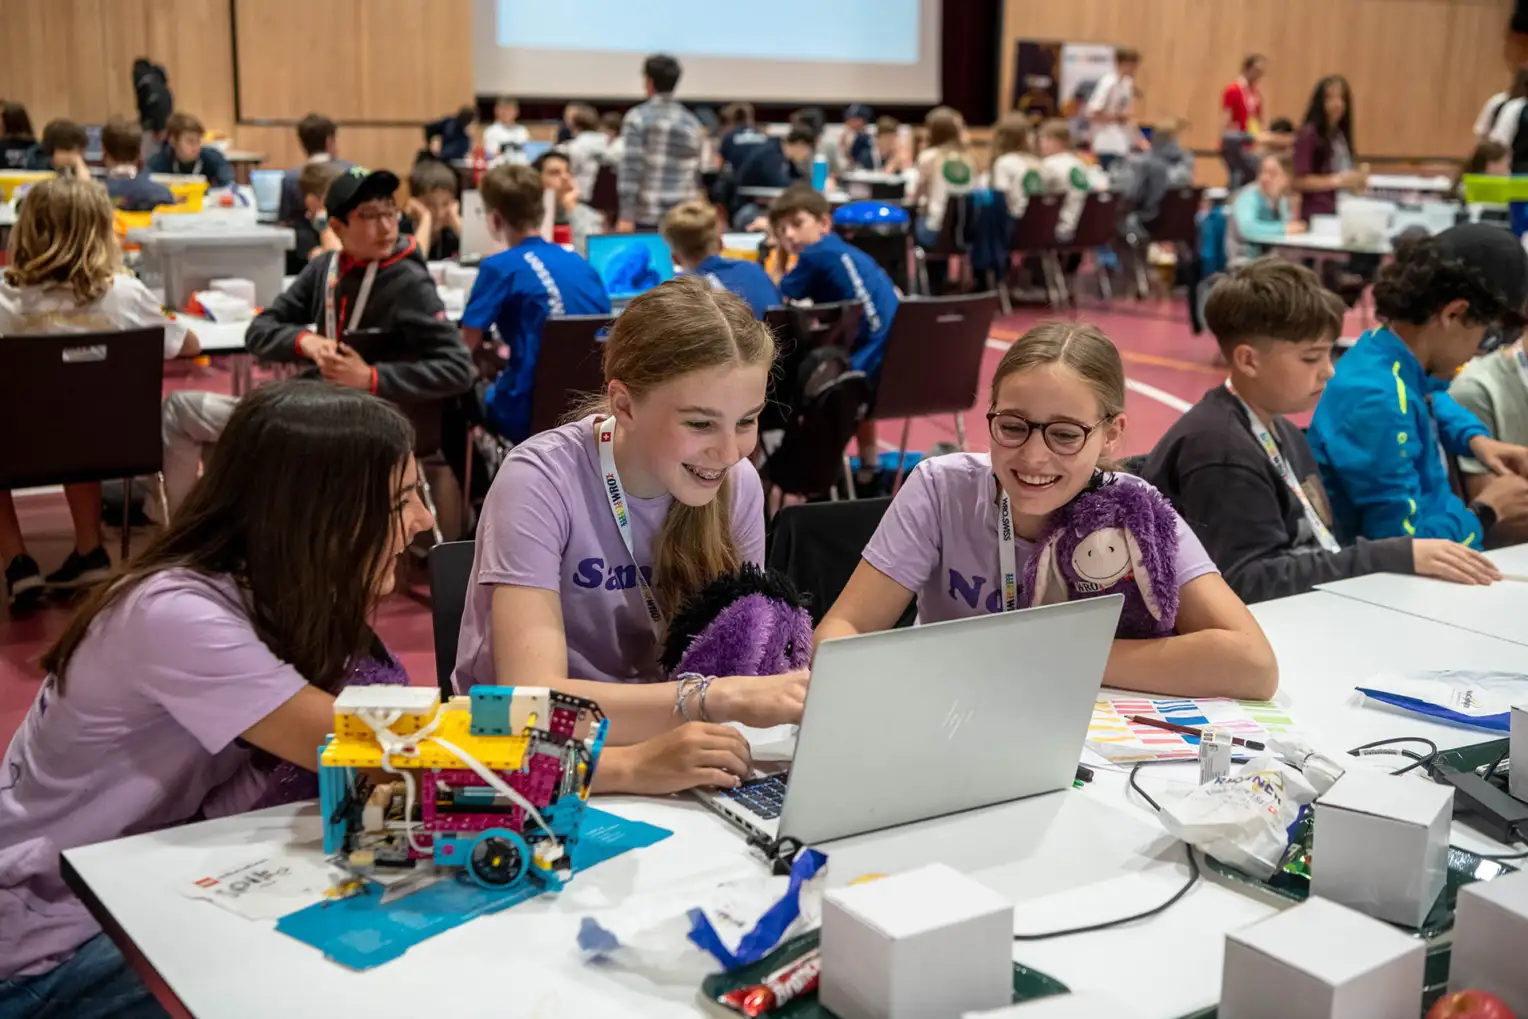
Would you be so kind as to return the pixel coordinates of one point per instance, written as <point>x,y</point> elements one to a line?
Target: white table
<point>1067,859</point>
<point>1323,246</point>
<point>1499,610</point>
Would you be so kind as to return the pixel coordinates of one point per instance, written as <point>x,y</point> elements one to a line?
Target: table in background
<point>243,162</point>
<point>1499,610</point>
<point>1323,247</point>
<point>226,340</point>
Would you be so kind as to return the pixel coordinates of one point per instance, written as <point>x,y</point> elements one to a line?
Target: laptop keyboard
<point>763,796</point>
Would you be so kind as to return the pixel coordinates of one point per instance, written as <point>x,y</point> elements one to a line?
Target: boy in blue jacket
<point>829,268</point>
<point>1377,432</point>
<point>184,153</point>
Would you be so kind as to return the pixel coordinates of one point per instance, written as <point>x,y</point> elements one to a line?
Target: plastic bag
<point>1243,820</point>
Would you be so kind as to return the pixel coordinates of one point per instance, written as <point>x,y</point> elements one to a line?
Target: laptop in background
<point>477,242</point>
<point>533,151</point>
<point>905,725</point>
<point>630,264</point>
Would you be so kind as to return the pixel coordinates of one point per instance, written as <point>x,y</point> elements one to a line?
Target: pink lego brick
<point>563,721</point>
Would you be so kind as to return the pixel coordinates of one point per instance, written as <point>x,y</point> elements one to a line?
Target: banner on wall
<point>1082,64</point>
<point>1036,91</point>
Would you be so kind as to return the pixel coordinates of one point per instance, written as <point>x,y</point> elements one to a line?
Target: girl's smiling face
<point>1042,470</point>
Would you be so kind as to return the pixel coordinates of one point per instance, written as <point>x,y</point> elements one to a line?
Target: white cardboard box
<point>1517,749</point>
<point>1321,960</point>
<point>1491,940</point>
<point>1062,1006</point>
<point>1381,844</point>
<point>930,942</point>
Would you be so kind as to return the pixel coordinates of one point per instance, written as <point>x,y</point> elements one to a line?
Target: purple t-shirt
<point>157,693</point>
<point>938,539</point>
<point>547,524</point>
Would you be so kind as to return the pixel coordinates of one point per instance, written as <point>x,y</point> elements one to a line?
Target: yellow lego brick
<point>355,745</point>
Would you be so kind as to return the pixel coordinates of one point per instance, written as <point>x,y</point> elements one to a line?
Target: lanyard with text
<point>1265,439</point>
<point>331,302</point>
<point>604,434</point>
<point>1007,558</point>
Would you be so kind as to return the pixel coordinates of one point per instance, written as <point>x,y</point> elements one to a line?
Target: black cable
<point>1193,878</point>
<point>1418,760</point>
<point>1143,794</point>
<point>1496,763</point>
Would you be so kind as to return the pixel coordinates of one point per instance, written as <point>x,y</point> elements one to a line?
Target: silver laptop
<point>911,724</point>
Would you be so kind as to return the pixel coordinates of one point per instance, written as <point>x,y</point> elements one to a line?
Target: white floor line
<point>1162,397</point>
<point>995,344</point>
<point>44,490</point>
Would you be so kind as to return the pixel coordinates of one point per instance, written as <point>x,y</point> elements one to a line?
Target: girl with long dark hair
<point>1323,157</point>
<point>185,680</point>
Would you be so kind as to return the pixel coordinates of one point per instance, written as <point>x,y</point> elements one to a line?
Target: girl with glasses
<point>1057,413</point>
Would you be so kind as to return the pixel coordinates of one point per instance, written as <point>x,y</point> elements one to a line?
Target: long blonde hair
<point>1013,133</point>
<point>684,325</point>
<point>1081,348</point>
<point>64,237</point>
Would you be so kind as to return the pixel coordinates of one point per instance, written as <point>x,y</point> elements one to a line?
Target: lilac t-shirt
<point>938,539</point>
<point>157,693</point>
<point>547,524</point>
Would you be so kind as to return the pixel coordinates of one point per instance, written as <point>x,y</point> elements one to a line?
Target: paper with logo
<point>1480,700</point>
<point>363,931</point>
<point>1114,737</point>
<point>261,888</point>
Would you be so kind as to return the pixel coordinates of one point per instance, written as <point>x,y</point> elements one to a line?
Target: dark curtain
<point>971,36</point>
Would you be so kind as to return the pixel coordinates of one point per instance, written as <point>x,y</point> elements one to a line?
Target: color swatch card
<point>1114,737</point>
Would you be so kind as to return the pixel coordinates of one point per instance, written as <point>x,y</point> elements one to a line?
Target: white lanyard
<point>604,434</point>
<point>1265,439</point>
<point>1007,557</point>
<point>331,306</point>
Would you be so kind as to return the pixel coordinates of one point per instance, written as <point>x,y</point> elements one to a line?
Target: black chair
<point>115,381</point>
<point>933,361</point>
<point>1176,225</point>
<point>450,577</point>
<point>1034,236</point>
<point>818,546</point>
<point>833,401</point>
<point>606,198</point>
<point>799,330</point>
<point>1097,227</point>
<point>569,366</point>
<point>954,241</point>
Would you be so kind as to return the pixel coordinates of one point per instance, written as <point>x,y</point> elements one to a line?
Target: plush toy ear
<point>1050,585</point>
<point>1142,575</point>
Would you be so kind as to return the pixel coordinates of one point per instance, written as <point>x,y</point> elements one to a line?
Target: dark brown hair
<point>121,140</point>
<point>1057,130</point>
<point>887,125</point>
<point>585,118</point>
<point>1127,55</point>
<point>610,121</point>
<point>515,193</point>
<point>431,175</point>
<point>944,126</point>
<point>16,123</point>
<point>681,326</point>
<point>180,123</point>
<point>798,198</point>
<point>62,135</point>
<point>737,114</point>
<point>1271,298</point>
<point>307,570</point>
<point>315,131</point>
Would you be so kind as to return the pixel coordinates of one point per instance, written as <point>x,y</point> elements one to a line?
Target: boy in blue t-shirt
<point>519,289</point>
<point>129,188</point>
<point>690,228</point>
<point>829,268</point>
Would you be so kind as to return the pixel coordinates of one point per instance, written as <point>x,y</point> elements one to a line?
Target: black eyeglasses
<point>1065,438</point>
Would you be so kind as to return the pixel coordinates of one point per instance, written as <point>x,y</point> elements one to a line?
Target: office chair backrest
<point>450,576</point>
<point>933,358</point>
<point>80,407</point>
<point>605,198</point>
<point>1036,229</point>
<point>568,367</point>
<point>1177,216</point>
<point>1098,223</point>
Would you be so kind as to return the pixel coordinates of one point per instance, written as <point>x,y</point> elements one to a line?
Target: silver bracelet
<point>687,682</point>
<point>705,684</point>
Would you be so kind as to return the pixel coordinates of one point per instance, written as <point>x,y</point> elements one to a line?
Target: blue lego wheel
<point>498,859</point>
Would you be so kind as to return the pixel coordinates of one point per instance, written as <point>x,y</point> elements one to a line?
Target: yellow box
<point>10,180</point>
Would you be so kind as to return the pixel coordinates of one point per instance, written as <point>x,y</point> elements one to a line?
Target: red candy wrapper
<point>781,986</point>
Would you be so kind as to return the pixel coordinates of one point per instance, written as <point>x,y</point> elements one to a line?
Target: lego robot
<point>492,785</point>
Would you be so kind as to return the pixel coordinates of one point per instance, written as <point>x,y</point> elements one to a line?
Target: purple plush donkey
<point>1119,537</point>
<point>749,623</point>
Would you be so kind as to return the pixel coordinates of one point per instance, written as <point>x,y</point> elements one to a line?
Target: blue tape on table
<point>766,934</point>
<point>361,932</point>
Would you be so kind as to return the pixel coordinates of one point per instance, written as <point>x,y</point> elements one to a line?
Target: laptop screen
<point>532,150</point>
<point>630,263</point>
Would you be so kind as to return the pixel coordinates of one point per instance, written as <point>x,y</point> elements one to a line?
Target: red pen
<point>1188,730</point>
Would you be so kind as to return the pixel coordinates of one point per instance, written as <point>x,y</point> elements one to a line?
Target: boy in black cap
<point>856,143</point>
<point>1377,432</point>
<point>366,316</point>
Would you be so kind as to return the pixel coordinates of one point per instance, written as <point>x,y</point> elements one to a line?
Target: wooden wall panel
<point>377,60</point>
<point>74,58</point>
<point>1419,69</point>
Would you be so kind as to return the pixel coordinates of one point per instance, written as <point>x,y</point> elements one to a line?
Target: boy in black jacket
<point>1245,479</point>
<point>367,317</point>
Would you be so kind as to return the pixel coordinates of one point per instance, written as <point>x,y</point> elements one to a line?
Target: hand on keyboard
<point>693,755</point>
